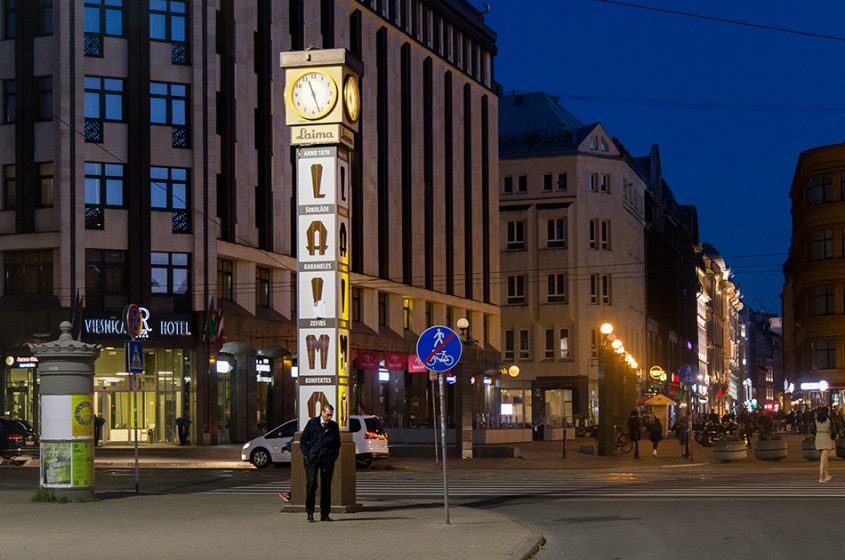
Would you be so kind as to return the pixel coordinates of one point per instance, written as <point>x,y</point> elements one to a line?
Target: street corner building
<point>144,158</point>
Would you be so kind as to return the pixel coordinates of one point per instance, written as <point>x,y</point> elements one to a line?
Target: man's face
<point>327,414</point>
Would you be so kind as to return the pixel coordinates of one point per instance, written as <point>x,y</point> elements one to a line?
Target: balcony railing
<point>180,137</point>
<point>94,131</point>
<point>94,217</point>
<point>179,53</point>
<point>93,45</point>
<point>181,221</point>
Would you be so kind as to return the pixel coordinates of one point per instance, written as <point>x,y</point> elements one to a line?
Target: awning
<point>660,400</point>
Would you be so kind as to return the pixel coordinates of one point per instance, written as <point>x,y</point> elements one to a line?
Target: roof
<point>534,112</point>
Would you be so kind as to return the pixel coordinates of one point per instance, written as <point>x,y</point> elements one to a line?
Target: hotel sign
<point>154,326</point>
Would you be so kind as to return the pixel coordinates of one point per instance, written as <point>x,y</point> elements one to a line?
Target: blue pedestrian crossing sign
<point>439,348</point>
<point>134,357</point>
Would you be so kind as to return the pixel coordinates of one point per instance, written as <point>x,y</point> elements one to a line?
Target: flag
<point>211,320</point>
<point>219,338</point>
<point>77,309</point>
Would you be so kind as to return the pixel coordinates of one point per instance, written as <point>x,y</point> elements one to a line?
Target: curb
<point>538,542</point>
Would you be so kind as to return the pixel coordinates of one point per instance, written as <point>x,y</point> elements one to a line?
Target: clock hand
<point>314,95</point>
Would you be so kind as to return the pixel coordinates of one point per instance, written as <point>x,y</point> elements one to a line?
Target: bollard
<point>564,443</point>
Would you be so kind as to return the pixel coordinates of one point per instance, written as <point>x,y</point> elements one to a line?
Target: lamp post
<point>616,388</point>
<point>606,436</point>
<point>463,398</point>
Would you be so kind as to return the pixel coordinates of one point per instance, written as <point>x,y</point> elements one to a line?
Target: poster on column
<point>317,298</point>
<point>82,464</point>
<point>343,240</point>
<point>82,417</point>
<point>313,398</point>
<point>342,185</point>
<point>317,352</point>
<point>317,238</point>
<point>315,173</point>
<point>56,464</point>
<point>342,352</point>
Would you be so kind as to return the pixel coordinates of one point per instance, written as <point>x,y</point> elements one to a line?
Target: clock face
<point>313,95</point>
<point>352,99</point>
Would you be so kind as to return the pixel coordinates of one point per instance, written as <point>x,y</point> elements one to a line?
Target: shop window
<point>28,272</point>
<point>106,279</point>
<point>225,279</point>
<point>262,286</point>
<point>509,345</point>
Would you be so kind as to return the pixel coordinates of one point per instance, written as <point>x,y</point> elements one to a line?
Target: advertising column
<point>66,371</point>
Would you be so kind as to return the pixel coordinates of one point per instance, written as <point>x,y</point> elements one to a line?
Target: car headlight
<point>246,445</point>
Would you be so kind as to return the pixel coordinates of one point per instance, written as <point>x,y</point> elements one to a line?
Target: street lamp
<point>614,361</point>
<point>463,398</point>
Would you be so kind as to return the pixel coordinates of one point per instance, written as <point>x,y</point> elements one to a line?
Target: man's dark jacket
<point>320,445</point>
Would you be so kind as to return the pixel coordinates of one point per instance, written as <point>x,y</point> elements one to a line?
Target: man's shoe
<point>311,518</point>
<point>325,518</point>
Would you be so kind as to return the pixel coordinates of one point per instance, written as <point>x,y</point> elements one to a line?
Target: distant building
<point>763,359</point>
<point>572,218</point>
<point>814,278</point>
<point>144,158</point>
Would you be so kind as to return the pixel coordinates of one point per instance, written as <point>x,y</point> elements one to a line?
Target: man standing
<point>320,445</point>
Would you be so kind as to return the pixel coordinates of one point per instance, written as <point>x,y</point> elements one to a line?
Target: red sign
<point>368,360</point>
<point>415,365</point>
<point>395,361</point>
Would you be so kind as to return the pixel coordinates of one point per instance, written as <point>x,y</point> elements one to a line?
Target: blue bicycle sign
<point>439,348</point>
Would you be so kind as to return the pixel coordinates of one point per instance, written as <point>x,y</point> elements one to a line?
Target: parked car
<point>18,441</point>
<point>274,447</point>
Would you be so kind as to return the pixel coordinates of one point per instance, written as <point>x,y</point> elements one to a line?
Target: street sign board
<point>656,372</point>
<point>688,374</point>
<point>134,320</point>
<point>134,357</point>
<point>439,348</point>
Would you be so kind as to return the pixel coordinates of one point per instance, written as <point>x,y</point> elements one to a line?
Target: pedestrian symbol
<point>134,357</point>
<point>439,348</point>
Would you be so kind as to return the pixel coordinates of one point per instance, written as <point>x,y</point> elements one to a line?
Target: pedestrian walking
<point>825,437</point>
<point>655,434</point>
<point>320,444</point>
<point>682,433</point>
<point>634,428</point>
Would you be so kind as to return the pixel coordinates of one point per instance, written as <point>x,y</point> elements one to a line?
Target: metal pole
<point>443,443</point>
<point>434,416</point>
<point>135,410</point>
<point>564,443</point>
<point>689,423</point>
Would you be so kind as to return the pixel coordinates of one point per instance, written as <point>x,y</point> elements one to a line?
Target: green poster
<point>83,464</point>
<point>55,464</point>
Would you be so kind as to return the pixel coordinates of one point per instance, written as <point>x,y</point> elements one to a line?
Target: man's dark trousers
<point>325,488</point>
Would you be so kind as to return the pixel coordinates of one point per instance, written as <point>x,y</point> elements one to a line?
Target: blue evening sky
<point>648,77</point>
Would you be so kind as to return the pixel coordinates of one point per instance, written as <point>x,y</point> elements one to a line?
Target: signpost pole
<point>443,443</point>
<point>434,414</point>
<point>134,380</point>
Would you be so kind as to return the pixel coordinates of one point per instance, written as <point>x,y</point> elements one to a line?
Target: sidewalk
<point>211,527</point>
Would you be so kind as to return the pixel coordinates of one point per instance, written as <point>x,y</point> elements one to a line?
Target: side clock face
<point>352,99</point>
<point>313,95</point>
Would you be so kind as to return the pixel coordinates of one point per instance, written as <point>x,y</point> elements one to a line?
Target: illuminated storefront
<point>19,383</point>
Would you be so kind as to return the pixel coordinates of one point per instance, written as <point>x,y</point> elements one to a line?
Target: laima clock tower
<point>322,108</point>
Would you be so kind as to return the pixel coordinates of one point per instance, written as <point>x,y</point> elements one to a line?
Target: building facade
<point>145,160</point>
<point>814,277</point>
<point>572,222</point>
<point>763,360</point>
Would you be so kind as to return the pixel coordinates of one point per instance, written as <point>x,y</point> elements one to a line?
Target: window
<point>9,101</point>
<point>169,22</point>
<point>524,345</point>
<point>9,187</point>
<point>28,272</point>
<point>104,17</point>
<point>550,344</point>
<point>770,376</point>
<point>522,184</point>
<point>605,235</point>
<point>594,226</point>
<point>382,310</point>
<point>507,185</point>
<point>171,273</point>
<point>169,191</point>
<point>45,183</point>
<point>820,189</point>
<point>262,286</point>
<point>557,288</point>
<point>45,17</point>
<point>225,279</point>
<point>823,354</point>
<point>509,345</point>
<point>600,288</point>
<point>429,313</point>
<point>547,182</point>
<point>600,234</point>
<point>604,183</point>
<point>356,304</point>
<point>406,313</point>
<point>594,343</point>
<point>770,393</point>
<point>561,181</point>
<point>603,145</point>
<point>104,98</point>
<point>516,290</point>
<point>821,244</point>
<point>9,19</point>
<point>168,103</point>
<point>593,143</point>
<point>820,300</point>
<point>106,279</point>
<point>593,182</point>
<point>556,233</point>
<point>563,344</point>
<point>516,234</point>
<point>103,189</point>
<point>44,96</point>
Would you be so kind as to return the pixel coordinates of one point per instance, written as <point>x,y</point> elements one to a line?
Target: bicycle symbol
<point>441,357</point>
